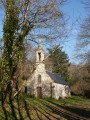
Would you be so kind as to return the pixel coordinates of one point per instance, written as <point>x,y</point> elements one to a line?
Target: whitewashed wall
<point>58,90</point>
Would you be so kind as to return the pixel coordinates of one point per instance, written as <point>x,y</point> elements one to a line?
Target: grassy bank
<point>26,108</point>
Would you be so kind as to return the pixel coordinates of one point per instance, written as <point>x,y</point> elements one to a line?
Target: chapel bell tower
<point>39,53</point>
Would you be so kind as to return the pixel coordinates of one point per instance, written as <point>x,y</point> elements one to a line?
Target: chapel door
<point>39,92</point>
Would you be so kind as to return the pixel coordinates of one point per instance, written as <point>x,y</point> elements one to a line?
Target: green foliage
<point>60,62</point>
<point>13,38</point>
<point>10,26</point>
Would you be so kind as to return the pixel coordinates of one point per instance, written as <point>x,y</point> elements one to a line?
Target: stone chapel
<point>42,83</point>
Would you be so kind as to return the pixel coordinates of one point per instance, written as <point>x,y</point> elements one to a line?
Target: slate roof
<point>56,78</point>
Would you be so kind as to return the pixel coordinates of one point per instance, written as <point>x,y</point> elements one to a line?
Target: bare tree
<point>46,18</point>
<point>83,40</point>
<point>24,19</point>
<point>80,79</point>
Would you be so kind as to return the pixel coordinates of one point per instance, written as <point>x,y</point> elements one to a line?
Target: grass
<point>26,108</point>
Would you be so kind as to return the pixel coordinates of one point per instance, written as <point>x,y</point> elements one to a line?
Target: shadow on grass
<point>3,108</point>
<point>38,116</point>
<point>13,110</point>
<point>20,114</point>
<point>5,112</point>
<point>61,113</point>
<point>12,106</point>
<point>81,112</point>
<point>42,113</point>
<point>27,110</point>
<point>46,112</point>
<point>79,99</point>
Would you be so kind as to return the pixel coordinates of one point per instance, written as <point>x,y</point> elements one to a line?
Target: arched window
<point>39,55</point>
<point>39,79</point>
